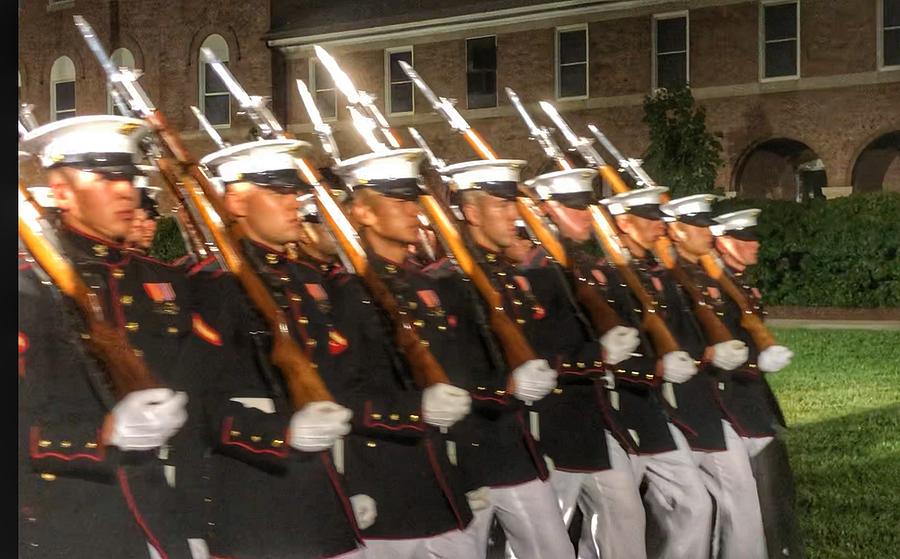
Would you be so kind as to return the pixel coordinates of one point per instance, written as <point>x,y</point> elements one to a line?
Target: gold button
<point>311,342</point>
<point>598,363</point>
<point>751,365</point>
<point>255,438</point>
<point>295,298</point>
<point>480,388</point>
<point>441,327</point>
<point>172,330</point>
<point>419,323</point>
<point>132,326</point>
<point>413,417</point>
<point>138,353</point>
<point>412,305</point>
<point>126,299</point>
<point>118,274</point>
<point>371,444</point>
<point>557,390</point>
<point>394,417</point>
<point>475,444</point>
<point>566,365</point>
<point>100,250</point>
<point>424,343</point>
<point>285,279</point>
<point>303,320</point>
<point>517,302</point>
<point>48,477</point>
<point>509,286</point>
<point>500,392</point>
<point>65,444</point>
<point>635,373</point>
<point>391,269</point>
<point>376,416</point>
<point>277,443</point>
<point>43,443</point>
<point>85,336</point>
<point>649,376</point>
<point>90,445</point>
<point>520,321</point>
<point>580,365</point>
<point>234,433</point>
<point>272,258</point>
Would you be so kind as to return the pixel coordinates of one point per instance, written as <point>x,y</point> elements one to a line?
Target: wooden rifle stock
<point>108,344</point>
<point>750,321</point>
<point>602,316</point>
<point>303,382</point>
<point>425,368</point>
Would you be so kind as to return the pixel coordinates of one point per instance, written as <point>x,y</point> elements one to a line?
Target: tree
<point>683,155</point>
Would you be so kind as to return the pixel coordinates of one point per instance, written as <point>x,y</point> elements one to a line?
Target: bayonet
<point>539,133</point>
<point>323,130</point>
<point>208,128</point>
<point>633,166</point>
<point>436,162</point>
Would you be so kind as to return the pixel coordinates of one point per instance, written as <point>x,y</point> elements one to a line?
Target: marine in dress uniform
<point>745,394</point>
<point>717,448</point>
<point>390,446</point>
<point>501,466</point>
<point>571,421</point>
<point>679,509</point>
<point>95,474</point>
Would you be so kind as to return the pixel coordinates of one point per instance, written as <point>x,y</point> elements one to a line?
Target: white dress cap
<point>71,139</point>
<point>689,205</point>
<point>261,156</point>
<point>570,181</point>
<point>381,166</point>
<point>735,221</point>
<point>472,175</point>
<point>624,202</point>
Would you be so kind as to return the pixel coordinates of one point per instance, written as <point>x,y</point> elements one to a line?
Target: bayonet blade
<point>208,128</point>
<point>323,131</point>
<point>341,79</point>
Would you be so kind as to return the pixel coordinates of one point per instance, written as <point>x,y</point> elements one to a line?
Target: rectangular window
<point>216,99</point>
<point>780,40</point>
<point>481,72</point>
<point>323,90</point>
<point>64,100</point>
<point>572,62</point>
<point>670,44</point>
<point>399,90</point>
<point>890,34</point>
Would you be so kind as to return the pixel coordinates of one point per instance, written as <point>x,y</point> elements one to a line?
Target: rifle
<point>603,317</point>
<point>303,382</point>
<point>606,232</point>
<point>515,347</point>
<point>711,262</point>
<point>108,344</point>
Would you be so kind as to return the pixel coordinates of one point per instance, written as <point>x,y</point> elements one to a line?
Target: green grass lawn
<point>841,399</point>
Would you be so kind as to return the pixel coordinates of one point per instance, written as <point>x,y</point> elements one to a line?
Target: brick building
<point>802,90</point>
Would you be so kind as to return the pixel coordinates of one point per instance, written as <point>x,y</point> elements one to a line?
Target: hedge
<point>843,252</point>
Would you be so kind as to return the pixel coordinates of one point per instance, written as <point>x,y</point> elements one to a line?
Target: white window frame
<point>496,71</point>
<point>587,60</point>
<point>314,89</point>
<point>762,41</point>
<point>879,30</point>
<point>53,82</point>
<point>687,45</point>
<point>388,102</point>
<point>202,82</point>
<point>109,98</point>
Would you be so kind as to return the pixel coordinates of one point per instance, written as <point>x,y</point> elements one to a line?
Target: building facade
<point>803,94</point>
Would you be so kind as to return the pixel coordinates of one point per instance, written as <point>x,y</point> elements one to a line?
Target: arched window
<point>215,101</point>
<point>62,89</point>
<point>121,58</point>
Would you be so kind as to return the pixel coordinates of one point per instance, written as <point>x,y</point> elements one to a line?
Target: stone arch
<point>877,165</point>
<point>780,168</point>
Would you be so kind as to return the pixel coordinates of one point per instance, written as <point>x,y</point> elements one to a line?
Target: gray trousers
<point>614,520</point>
<point>531,520</point>
<point>679,509</point>
<point>775,487</point>
<point>738,529</point>
<point>454,544</point>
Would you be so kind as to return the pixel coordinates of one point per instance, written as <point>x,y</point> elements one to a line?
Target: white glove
<point>317,425</point>
<point>146,419</point>
<point>678,366</point>
<point>479,499</point>
<point>533,380</point>
<point>364,509</point>
<point>619,342</point>
<point>774,358</point>
<point>443,404</point>
<point>199,549</point>
<point>730,355</point>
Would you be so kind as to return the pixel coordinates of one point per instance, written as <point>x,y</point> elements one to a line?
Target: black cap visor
<point>111,166</point>
<point>283,181</point>
<point>407,189</point>
<point>508,190</point>
<point>746,234</point>
<point>647,211</point>
<point>575,200</point>
<point>698,220</point>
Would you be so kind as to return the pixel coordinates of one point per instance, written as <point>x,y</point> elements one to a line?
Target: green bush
<point>843,252</point>
<point>167,244</point>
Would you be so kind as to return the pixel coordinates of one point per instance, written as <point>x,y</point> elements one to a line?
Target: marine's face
<point>148,232</point>
<point>272,216</point>
<point>574,224</point>
<point>643,231</point>
<point>496,219</point>
<point>93,204</point>
<point>745,252</point>
<point>391,219</point>
<point>691,238</point>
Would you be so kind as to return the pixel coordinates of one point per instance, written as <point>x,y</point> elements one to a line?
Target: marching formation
<point>390,357</point>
